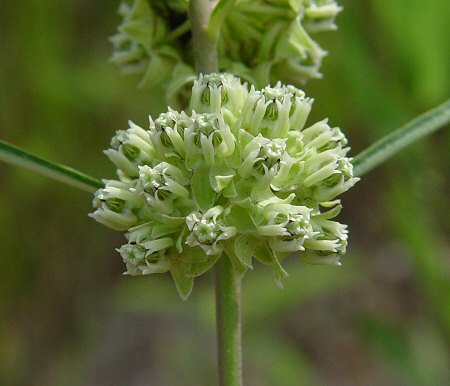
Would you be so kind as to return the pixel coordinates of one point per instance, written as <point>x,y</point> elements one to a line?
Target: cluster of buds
<point>143,43</point>
<point>263,40</point>
<point>260,41</point>
<point>238,176</point>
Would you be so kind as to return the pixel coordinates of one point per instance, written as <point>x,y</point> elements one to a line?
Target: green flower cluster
<point>260,40</point>
<point>238,177</point>
<point>148,42</point>
<point>263,40</point>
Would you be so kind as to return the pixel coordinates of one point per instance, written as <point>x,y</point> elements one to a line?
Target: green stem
<point>228,319</point>
<point>228,280</point>
<point>61,173</point>
<point>204,41</point>
<point>391,144</point>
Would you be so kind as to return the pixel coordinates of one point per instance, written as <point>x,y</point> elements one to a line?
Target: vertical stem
<point>204,41</point>
<point>228,280</point>
<point>228,319</point>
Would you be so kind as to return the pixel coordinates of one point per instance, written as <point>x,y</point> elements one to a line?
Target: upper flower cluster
<point>263,40</point>
<point>260,40</point>
<point>239,175</point>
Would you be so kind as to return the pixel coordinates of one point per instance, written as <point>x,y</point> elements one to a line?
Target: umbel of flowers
<point>238,177</point>
<point>260,40</point>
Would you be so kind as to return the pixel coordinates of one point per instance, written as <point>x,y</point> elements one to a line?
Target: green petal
<point>278,271</point>
<point>140,10</point>
<point>204,194</point>
<point>244,247</point>
<point>140,31</point>
<point>158,70</point>
<point>200,268</point>
<point>239,218</point>
<point>183,281</point>
<point>230,254</point>
<point>263,254</point>
<point>182,75</point>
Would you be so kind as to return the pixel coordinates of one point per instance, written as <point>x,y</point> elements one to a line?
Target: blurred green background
<point>68,316</point>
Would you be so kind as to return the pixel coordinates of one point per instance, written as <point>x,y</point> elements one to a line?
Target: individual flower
<point>142,261</point>
<point>242,178</point>
<point>287,227</point>
<point>161,185</point>
<point>167,134</point>
<point>207,229</point>
<point>130,148</point>
<point>263,156</point>
<point>116,205</point>
<point>207,138</point>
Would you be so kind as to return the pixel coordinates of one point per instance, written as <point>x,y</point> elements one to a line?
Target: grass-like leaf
<point>13,155</point>
<point>391,144</point>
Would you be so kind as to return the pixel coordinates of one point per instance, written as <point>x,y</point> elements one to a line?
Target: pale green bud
<point>116,205</point>
<point>274,111</point>
<point>211,92</point>
<point>167,134</point>
<point>320,15</point>
<point>129,148</point>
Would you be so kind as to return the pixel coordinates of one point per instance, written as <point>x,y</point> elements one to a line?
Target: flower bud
<point>115,205</point>
<point>319,15</point>
<point>167,134</point>
<point>211,92</point>
<point>129,148</point>
<point>274,111</point>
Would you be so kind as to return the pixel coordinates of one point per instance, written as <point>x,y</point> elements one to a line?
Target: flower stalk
<point>204,40</point>
<point>228,279</point>
<point>228,321</point>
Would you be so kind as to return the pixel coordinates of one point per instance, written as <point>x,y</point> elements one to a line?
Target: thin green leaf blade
<point>391,144</point>
<point>15,156</point>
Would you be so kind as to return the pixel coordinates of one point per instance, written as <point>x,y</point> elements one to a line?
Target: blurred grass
<point>68,317</point>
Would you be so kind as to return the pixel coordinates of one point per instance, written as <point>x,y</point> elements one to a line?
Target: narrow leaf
<point>13,155</point>
<point>391,144</point>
